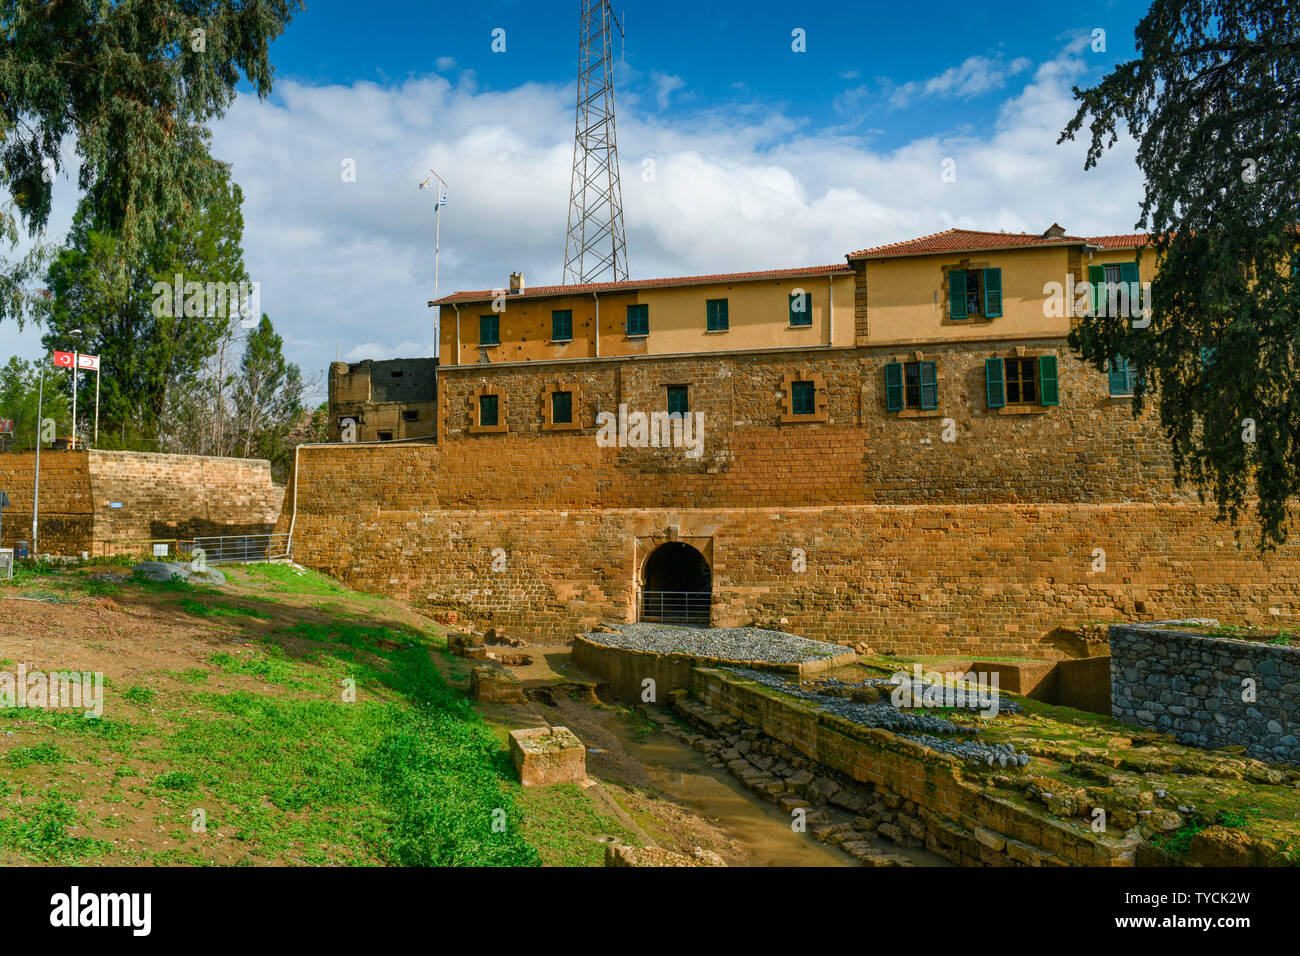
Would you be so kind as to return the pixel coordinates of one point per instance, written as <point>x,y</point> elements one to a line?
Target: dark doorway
<point>676,586</point>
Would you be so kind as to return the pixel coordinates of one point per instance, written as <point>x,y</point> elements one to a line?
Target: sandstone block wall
<point>1192,686</point>
<point>66,510</point>
<point>986,544</point>
<point>988,579</point>
<point>161,496</point>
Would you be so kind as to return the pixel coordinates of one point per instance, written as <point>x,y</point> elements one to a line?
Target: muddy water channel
<point>683,775</point>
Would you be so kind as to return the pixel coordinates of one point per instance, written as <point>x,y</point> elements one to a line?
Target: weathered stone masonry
<point>986,544</point>
<point>1192,686</point>
<point>161,496</point>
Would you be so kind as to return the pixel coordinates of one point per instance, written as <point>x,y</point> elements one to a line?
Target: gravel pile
<point>722,643</point>
<point>927,729</point>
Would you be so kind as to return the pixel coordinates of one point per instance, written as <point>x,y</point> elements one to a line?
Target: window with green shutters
<point>911,385</point>
<point>801,308</point>
<point>1115,289</point>
<point>1122,376</point>
<point>562,325</point>
<point>561,408</point>
<point>678,400</point>
<point>489,330</point>
<point>973,293</point>
<point>638,319</point>
<point>1021,381</point>
<point>487,411</point>
<point>803,398</point>
<point>716,315</point>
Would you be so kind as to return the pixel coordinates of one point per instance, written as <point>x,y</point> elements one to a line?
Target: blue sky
<point>761,157</point>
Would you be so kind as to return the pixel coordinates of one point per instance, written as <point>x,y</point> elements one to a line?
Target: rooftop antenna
<point>594,244</point>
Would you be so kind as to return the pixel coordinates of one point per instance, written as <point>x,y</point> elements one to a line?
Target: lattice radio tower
<point>594,245</point>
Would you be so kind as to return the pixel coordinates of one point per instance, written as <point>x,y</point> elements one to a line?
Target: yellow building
<point>956,285</point>
<point>784,309</point>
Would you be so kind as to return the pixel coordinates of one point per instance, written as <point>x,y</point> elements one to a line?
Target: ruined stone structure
<point>102,502</point>
<point>1208,691</point>
<point>385,401</point>
<point>920,463</point>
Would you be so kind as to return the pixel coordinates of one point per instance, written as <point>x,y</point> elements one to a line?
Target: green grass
<point>287,766</point>
<point>40,832</point>
<point>415,781</point>
<point>565,825</point>
<point>38,754</point>
<point>191,606</point>
<point>139,695</point>
<point>285,578</point>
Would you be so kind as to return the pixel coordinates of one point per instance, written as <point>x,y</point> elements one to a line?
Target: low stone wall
<point>1208,692</point>
<point>962,821</point>
<point>626,669</point>
<point>156,496</point>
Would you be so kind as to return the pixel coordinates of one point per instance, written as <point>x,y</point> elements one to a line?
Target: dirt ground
<point>139,637</point>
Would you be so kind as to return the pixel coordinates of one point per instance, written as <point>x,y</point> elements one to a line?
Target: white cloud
<point>975,76</point>
<point>346,268</point>
<point>666,84</point>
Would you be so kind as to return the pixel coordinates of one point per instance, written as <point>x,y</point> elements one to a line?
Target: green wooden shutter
<point>929,386</point>
<point>894,386</point>
<point>993,382</point>
<point>1097,279</point>
<point>957,294</point>
<point>1131,280</point>
<point>1048,392</point>
<point>992,293</point>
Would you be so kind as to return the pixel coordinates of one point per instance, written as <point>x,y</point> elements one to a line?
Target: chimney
<point>516,283</point>
<point>1054,231</point>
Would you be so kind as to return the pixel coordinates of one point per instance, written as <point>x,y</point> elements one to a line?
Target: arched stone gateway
<point>676,586</point>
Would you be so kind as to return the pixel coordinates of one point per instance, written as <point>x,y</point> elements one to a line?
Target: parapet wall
<point>975,579</point>
<point>160,496</point>
<point>1208,692</point>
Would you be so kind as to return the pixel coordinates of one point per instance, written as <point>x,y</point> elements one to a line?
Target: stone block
<point>495,685</point>
<point>545,756</point>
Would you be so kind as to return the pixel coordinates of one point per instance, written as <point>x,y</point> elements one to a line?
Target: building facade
<point>900,450</point>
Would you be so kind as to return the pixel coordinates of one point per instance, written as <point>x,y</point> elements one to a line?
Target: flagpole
<point>36,485</point>
<point>74,398</point>
<point>95,441</point>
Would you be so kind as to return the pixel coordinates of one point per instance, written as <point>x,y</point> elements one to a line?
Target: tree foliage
<point>268,395</point>
<point>133,84</point>
<point>22,395</point>
<point>147,346</point>
<point>1213,100</point>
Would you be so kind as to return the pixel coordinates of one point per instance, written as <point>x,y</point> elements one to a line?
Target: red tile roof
<point>1126,241</point>
<point>964,240</point>
<point>632,285</point>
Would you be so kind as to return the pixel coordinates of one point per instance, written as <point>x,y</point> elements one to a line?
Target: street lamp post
<point>437,225</point>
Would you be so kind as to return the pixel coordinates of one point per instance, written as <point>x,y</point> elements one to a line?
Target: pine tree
<point>1213,100</point>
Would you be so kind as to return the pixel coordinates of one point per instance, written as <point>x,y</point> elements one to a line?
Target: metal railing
<point>239,547</point>
<point>675,607</point>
